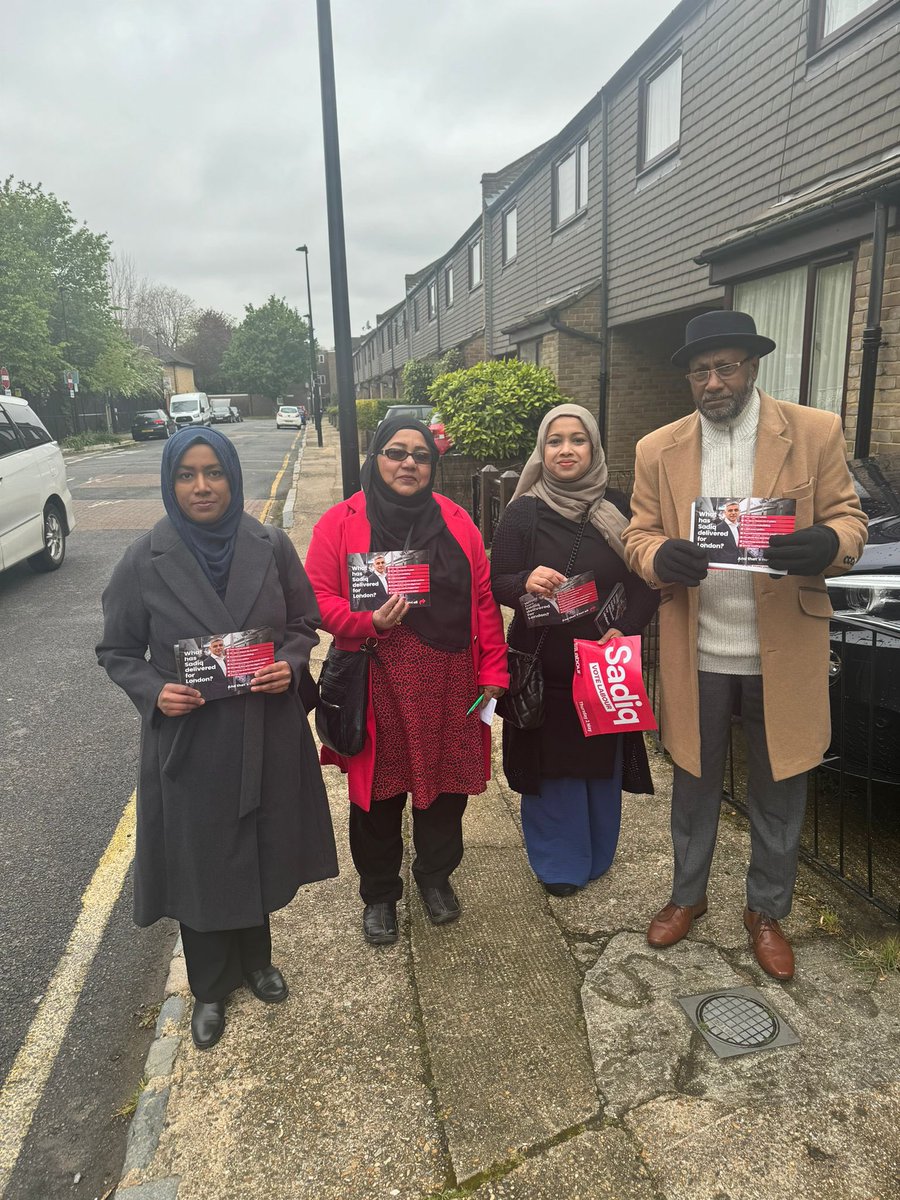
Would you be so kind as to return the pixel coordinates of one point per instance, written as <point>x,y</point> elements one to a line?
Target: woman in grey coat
<point>232,812</point>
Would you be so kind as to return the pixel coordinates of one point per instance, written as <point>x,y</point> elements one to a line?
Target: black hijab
<point>416,522</point>
<point>211,544</point>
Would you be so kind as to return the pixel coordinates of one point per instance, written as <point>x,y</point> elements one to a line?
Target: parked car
<point>36,513</point>
<point>191,408</point>
<point>419,412</point>
<point>153,423</point>
<point>221,412</point>
<point>289,417</point>
<point>236,414</point>
<point>865,633</point>
<point>442,441</point>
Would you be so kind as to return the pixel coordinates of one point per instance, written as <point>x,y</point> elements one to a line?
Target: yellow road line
<point>27,1078</point>
<point>271,500</point>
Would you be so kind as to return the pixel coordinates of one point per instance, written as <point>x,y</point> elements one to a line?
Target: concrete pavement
<point>535,1049</point>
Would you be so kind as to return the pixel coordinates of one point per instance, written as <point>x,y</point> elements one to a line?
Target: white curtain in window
<point>565,188</point>
<point>829,346</point>
<point>777,305</point>
<point>662,115</point>
<point>839,12</point>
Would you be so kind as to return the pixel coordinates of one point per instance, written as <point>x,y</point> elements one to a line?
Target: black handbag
<point>344,698</point>
<point>522,704</point>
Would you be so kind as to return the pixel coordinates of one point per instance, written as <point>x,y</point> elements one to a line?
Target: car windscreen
<point>288,411</point>
<point>184,406</point>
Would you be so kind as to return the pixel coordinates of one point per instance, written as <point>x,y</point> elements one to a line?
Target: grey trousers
<point>776,809</point>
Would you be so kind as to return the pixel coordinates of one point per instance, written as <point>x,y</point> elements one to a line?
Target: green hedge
<point>493,410</point>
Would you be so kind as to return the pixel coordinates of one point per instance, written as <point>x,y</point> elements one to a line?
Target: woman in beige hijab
<point>571,785</point>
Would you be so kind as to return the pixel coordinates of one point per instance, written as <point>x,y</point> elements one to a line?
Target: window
<point>383,341</point>
<point>31,430</point>
<point>321,380</point>
<point>390,335</point>
<point>321,358</point>
<point>806,312</point>
<point>432,299</point>
<point>415,308</point>
<point>570,184</point>
<point>474,263</point>
<point>510,235</point>
<point>9,442</point>
<point>661,110</point>
<point>448,286</point>
<point>831,19</point>
<point>530,352</point>
<point>402,324</point>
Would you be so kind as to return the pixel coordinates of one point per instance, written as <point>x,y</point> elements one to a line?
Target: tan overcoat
<point>800,455</point>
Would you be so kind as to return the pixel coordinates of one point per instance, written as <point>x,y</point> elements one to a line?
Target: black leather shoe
<point>267,984</point>
<point>441,904</point>
<point>380,923</point>
<point>207,1023</point>
<point>560,889</point>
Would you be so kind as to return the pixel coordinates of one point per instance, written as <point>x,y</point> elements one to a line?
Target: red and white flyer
<point>608,687</point>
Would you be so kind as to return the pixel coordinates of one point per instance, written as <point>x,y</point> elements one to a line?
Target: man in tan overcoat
<point>736,641</point>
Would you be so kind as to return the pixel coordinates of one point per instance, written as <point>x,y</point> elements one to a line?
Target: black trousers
<point>376,844</point>
<point>218,961</point>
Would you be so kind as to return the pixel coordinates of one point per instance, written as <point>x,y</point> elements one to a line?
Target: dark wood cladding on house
<point>549,263</point>
<point>760,120</point>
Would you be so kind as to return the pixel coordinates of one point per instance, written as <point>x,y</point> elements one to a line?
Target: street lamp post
<point>314,394</point>
<point>337,250</point>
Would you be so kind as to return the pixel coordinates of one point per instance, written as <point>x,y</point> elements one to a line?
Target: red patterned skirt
<point>424,742</point>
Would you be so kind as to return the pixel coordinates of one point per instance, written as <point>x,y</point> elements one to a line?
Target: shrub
<point>418,375</point>
<point>453,360</point>
<point>493,410</point>
<point>367,414</point>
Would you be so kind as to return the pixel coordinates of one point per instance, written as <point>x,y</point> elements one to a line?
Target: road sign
<point>4,381</point>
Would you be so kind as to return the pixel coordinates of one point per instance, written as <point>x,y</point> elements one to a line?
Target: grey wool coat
<point>232,814</point>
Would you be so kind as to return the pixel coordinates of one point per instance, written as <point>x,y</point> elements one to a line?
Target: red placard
<point>608,688</point>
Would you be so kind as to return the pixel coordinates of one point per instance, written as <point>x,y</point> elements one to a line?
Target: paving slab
<point>498,992</point>
<point>599,1164</point>
<point>840,1147</point>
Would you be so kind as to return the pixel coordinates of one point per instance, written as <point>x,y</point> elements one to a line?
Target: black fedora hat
<point>721,328</point>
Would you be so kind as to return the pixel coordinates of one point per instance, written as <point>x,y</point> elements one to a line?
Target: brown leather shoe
<point>772,949</point>
<point>673,922</point>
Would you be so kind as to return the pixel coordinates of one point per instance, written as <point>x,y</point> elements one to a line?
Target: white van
<point>191,408</point>
<point>36,513</point>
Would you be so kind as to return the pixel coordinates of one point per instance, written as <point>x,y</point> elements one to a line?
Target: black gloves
<point>680,561</point>
<point>804,552</point>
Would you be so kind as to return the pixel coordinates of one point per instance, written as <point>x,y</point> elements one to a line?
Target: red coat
<point>345,530</point>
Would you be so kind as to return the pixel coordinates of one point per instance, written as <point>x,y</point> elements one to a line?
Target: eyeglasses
<point>725,371</point>
<point>419,457</point>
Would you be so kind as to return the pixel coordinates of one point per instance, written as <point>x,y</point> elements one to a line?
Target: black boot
<point>267,984</point>
<point>380,923</point>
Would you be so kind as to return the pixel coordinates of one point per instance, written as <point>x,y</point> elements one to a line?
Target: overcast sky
<point>190,130</point>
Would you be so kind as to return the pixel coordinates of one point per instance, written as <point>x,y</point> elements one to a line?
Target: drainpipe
<point>603,401</point>
<point>871,338</point>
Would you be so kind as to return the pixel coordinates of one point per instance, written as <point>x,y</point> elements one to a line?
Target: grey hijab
<point>571,498</point>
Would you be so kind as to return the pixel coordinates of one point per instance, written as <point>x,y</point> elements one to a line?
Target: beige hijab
<point>571,498</point>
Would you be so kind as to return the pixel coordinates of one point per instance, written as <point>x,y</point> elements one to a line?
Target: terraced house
<point>746,156</point>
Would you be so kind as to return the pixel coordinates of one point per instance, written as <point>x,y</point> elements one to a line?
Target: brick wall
<point>886,413</point>
<point>473,350</point>
<point>645,390</point>
<point>577,367</point>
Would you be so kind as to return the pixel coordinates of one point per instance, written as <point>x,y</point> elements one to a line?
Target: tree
<point>418,376</point>
<point>205,346</point>
<point>493,410</point>
<point>269,351</point>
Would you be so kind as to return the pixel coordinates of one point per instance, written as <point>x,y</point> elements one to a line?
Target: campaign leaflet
<point>573,599</point>
<point>223,664</point>
<point>735,531</point>
<point>612,608</point>
<point>379,574</point>
<point>608,688</point>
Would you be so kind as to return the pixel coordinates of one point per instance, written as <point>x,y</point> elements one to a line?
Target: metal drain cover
<point>737,1021</point>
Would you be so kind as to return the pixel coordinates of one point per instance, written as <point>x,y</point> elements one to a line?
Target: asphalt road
<point>68,751</point>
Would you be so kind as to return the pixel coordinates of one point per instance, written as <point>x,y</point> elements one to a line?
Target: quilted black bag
<point>522,704</point>
<point>344,698</point>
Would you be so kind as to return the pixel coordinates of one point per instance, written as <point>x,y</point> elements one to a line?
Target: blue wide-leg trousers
<point>572,827</point>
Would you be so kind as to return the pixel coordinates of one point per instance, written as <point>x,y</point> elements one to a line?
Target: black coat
<point>531,534</point>
<point>232,814</point>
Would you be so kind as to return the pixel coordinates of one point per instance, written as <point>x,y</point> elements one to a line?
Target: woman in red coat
<point>431,663</point>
